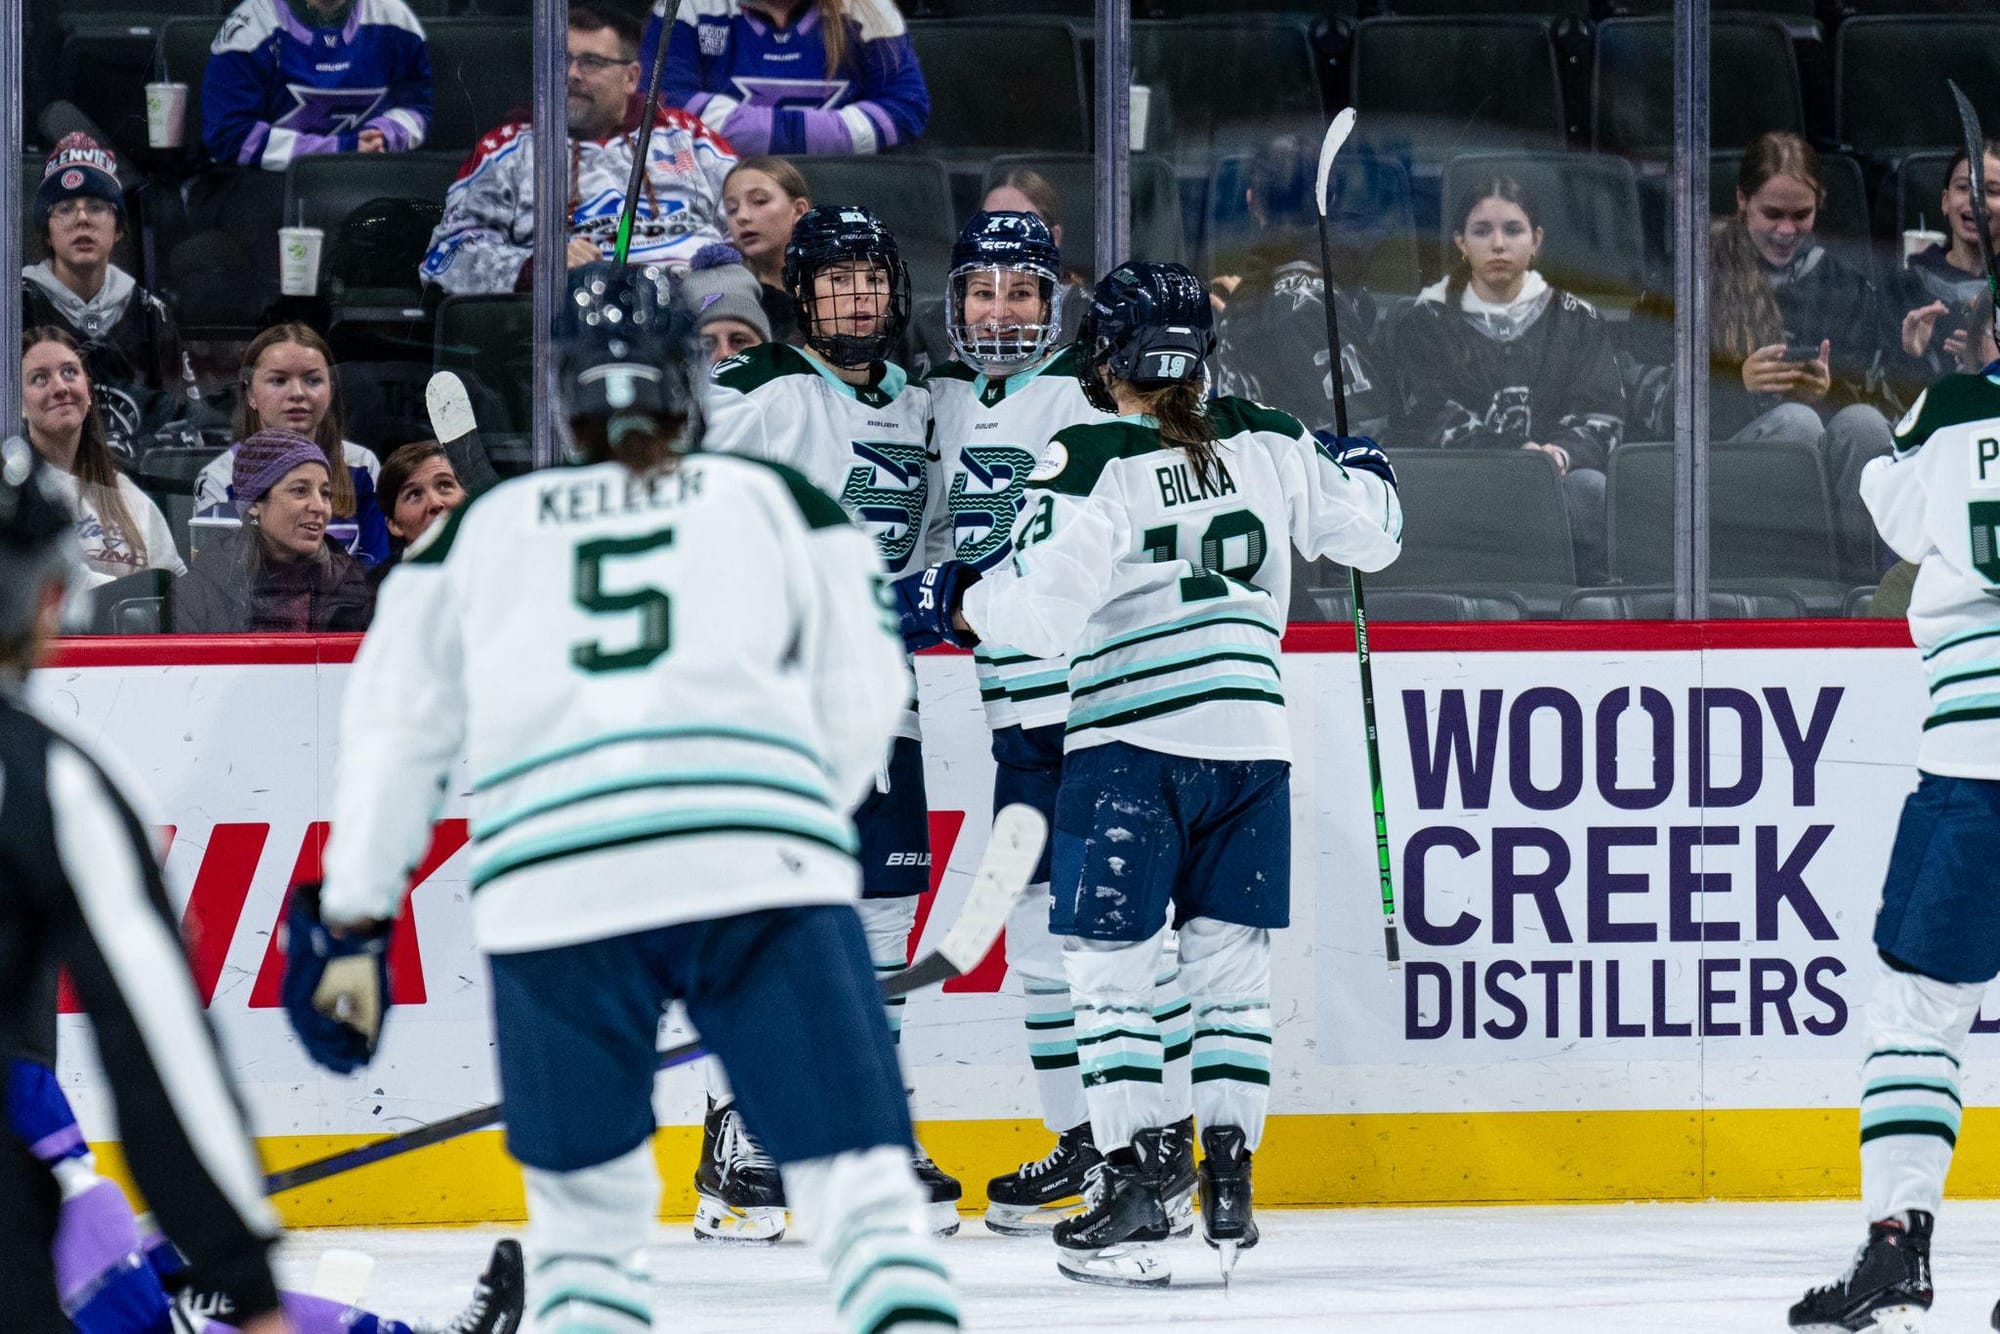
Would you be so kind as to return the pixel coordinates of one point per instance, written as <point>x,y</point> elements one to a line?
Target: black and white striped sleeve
<point>179,1120</point>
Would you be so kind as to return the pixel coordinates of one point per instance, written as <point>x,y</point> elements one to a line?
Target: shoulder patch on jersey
<point>1234,416</point>
<point>1088,449</point>
<point>755,367</point>
<point>1054,459</point>
<point>435,542</point>
<point>1910,418</point>
<point>818,508</point>
<point>1953,401</point>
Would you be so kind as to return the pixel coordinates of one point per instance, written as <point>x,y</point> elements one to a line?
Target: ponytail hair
<point>1182,414</point>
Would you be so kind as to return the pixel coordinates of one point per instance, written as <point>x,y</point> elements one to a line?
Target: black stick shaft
<point>647,114</point>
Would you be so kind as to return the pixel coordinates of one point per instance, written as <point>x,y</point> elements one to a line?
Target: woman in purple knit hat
<point>278,572</point>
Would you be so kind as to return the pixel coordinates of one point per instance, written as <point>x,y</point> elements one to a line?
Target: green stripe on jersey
<point>661,825</point>
<point>1979,673</point>
<point>1969,709</point>
<point>1186,623</point>
<point>1121,712</point>
<point>509,772</point>
<point>497,824</point>
<point>1178,662</point>
<point>1967,637</point>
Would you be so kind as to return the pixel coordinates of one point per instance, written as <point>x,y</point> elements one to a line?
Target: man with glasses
<point>486,240</point>
<point>130,346</point>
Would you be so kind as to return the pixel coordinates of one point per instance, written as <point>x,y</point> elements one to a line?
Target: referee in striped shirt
<point>79,888</point>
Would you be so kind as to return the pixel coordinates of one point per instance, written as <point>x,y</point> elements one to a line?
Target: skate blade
<point>942,1216</point>
<point>1899,1320</point>
<point>1129,1265</point>
<point>1031,1220</point>
<point>1225,1254</point>
<point>719,1224</point>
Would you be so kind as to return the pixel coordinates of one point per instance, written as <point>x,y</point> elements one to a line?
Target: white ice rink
<point>1711,1269</point>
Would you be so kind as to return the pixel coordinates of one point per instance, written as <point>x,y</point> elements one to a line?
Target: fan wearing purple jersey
<point>793,76</point>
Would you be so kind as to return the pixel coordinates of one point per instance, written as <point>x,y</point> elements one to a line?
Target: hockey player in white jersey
<point>1148,550</point>
<point>841,413</point>
<point>1005,397</point>
<point>1935,499</point>
<point>673,676</point>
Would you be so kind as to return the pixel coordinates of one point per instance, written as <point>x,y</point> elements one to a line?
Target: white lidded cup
<point>166,114</point>
<point>298,260</point>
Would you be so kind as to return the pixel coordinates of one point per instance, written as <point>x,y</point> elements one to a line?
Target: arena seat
<point>1910,191</point>
<point>1229,80</point>
<point>1753,69</point>
<point>1479,521</point>
<point>1770,519</point>
<point>1334,603</point>
<point>1044,106</point>
<point>1156,211</point>
<point>1588,206</point>
<point>911,194</point>
<point>482,69</point>
<point>1882,110</point>
<point>1790,9</point>
<point>488,341</point>
<point>1625,602</point>
<point>322,191</point>
<point>1372,221</point>
<point>183,49</point>
<point>1842,225</point>
<point>1439,86</point>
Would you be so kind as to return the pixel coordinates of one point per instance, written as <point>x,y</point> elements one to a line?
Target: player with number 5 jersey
<point>1150,549</point>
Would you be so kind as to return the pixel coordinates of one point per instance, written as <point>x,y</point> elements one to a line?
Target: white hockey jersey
<point>868,447</point>
<point>672,690</point>
<point>990,434</point>
<point>1169,591</point>
<point>1936,500</point>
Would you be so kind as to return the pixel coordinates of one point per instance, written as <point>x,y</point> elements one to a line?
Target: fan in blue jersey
<point>794,76</point>
<point>291,78</point>
<point>1010,390</point>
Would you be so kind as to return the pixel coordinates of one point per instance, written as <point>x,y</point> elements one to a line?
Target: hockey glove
<point>925,602</point>
<point>336,988</point>
<point>1358,453</point>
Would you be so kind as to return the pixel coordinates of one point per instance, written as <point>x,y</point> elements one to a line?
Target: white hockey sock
<point>584,1228</point>
<point>1910,1099</point>
<point>1117,1040</point>
<point>886,923</point>
<point>1226,971</point>
<point>1035,956</point>
<point>1175,1017</point>
<point>866,1215</point>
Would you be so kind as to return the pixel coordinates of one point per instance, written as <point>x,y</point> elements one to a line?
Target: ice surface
<point>1713,1268</point>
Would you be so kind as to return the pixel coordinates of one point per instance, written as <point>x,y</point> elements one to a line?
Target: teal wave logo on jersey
<point>985,496</point>
<point>886,493</point>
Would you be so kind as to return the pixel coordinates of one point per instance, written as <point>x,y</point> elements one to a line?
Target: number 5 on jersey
<point>654,607</point>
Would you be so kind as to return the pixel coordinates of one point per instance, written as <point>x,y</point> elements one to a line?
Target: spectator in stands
<point>280,571</point>
<point>288,380</point>
<point>762,198</point>
<point>486,239</point>
<point>1494,357</point>
<point>119,527</point>
<point>419,484</point>
<point>794,76</point>
<point>1026,190</point>
<point>724,294</point>
<point>1794,334</point>
<point>1942,280</point>
<point>291,78</point>
<point>139,378</point>
<point>1271,326</point>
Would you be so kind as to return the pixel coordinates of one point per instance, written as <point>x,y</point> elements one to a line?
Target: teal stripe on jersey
<point>1177,662</point>
<point>1945,645</point>
<point>1232,616</point>
<point>1986,668</point>
<point>1131,708</point>
<point>1966,709</point>
<point>1879,1116</point>
<point>507,773</point>
<point>1230,1057</point>
<point>493,825</point>
<point>665,824</point>
<point>1912,1084</point>
<point>1002,658</point>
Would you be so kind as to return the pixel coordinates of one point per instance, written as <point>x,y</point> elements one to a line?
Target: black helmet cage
<point>831,234</point>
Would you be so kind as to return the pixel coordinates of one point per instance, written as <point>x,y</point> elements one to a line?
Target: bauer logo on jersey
<point>1054,460</point>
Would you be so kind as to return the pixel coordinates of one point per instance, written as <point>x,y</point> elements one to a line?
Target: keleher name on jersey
<point>597,497</point>
<point>1180,484</point>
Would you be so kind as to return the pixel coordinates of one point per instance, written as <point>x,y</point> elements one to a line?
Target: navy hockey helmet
<point>38,545</point>
<point>627,354</point>
<point>994,245</point>
<point>831,234</point>
<point>1150,324</point>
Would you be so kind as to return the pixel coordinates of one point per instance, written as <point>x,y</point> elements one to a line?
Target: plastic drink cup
<point>298,260</point>
<point>166,114</point>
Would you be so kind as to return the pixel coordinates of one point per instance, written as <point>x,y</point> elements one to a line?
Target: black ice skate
<point>742,1201</point>
<point>1226,1221</point>
<point>1178,1190</point>
<point>1035,1196</point>
<point>497,1297</point>
<point>1886,1290</point>
<point>944,1192</point>
<point>1114,1241</point>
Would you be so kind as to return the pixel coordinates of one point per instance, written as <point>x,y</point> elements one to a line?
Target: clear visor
<point>1002,319</point>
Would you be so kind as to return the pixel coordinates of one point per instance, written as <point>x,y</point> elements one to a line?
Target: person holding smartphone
<point>1794,334</point>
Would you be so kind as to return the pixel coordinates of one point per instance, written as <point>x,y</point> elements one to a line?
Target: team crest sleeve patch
<point>1909,420</point>
<point>1054,459</point>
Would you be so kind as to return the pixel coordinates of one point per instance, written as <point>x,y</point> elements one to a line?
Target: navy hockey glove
<point>336,988</point>
<point>926,602</point>
<point>1354,452</point>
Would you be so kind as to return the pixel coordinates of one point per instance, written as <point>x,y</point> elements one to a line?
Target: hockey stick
<point>1975,166</point>
<point>455,427</point>
<point>647,115</point>
<point>1011,852</point>
<point>1336,135</point>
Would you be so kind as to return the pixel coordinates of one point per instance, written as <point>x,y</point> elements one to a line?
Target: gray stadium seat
<point>1912,189</point>
<point>912,195</point>
<point>1372,222</point>
<point>1889,78</point>
<point>487,340</point>
<point>323,191</point>
<point>1228,80</point>
<point>1753,69</point>
<point>1480,521</point>
<point>1156,212</point>
<point>1656,603</point>
<point>1044,105</point>
<point>482,69</point>
<point>1770,519</point>
<point>1448,85</point>
<point>1420,604</point>
<point>1589,208</point>
<point>1859,602</point>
